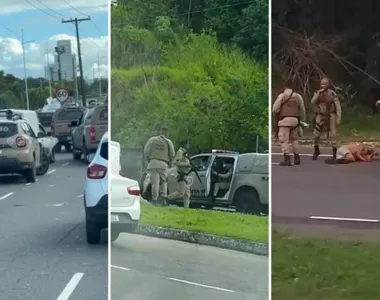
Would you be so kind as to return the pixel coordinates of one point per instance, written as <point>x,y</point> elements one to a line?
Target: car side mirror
<point>40,135</point>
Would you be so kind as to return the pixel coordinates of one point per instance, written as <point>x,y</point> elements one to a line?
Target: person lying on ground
<point>353,152</point>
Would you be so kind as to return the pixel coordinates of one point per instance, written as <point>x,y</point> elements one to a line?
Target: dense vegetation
<point>200,67</point>
<point>12,90</point>
<point>340,39</point>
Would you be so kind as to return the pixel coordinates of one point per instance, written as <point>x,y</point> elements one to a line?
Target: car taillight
<point>52,129</point>
<point>96,171</point>
<point>20,142</point>
<point>92,134</point>
<point>134,190</point>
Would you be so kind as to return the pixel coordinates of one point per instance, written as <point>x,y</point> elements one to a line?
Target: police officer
<point>159,151</point>
<point>224,180</point>
<point>328,113</point>
<point>182,162</point>
<point>289,111</point>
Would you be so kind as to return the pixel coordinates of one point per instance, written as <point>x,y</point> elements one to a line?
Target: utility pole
<point>23,43</point>
<point>77,21</point>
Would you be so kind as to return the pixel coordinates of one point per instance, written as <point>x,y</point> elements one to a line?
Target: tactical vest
<point>290,108</point>
<point>159,149</point>
<point>325,104</point>
<point>184,159</point>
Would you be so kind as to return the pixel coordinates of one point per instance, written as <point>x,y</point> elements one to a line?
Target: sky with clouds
<point>41,22</point>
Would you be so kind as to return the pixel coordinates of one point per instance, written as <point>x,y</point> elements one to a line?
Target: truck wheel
<point>93,232</point>
<point>248,202</point>
<point>114,235</point>
<point>30,175</point>
<point>44,167</point>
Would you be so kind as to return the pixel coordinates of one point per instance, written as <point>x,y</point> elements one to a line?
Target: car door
<point>78,131</point>
<point>202,163</point>
<point>33,137</point>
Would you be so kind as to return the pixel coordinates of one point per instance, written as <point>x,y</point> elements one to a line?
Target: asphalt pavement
<point>147,268</point>
<point>43,250</point>
<point>332,200</point>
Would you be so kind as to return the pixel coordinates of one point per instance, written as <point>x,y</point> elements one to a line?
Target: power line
<point>11,31</point>
<point>79,12</point>
<point>186,13</point>
<point>41,10</point>
<point>52,10</point>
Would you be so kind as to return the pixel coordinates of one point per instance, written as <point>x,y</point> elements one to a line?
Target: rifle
<point>276,116</point>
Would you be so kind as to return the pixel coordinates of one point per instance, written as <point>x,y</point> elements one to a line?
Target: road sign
<point>62,95</point>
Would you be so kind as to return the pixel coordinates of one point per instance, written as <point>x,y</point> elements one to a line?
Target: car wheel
<point>58,148</point>
<point>52,156</point>
<point>248,202</point>
<point>114,236</point>
<point>93,232</point>
<point>68,148</point>
<point>30,175</point>
<point>44,167</point>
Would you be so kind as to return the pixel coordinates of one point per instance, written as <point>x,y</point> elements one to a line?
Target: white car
<point>125,207</point>
<point>96,193</point>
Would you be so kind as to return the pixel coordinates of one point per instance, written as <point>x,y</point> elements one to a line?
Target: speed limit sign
<point>62,95</point>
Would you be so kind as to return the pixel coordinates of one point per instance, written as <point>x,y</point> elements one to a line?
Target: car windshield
<point>7,129</point>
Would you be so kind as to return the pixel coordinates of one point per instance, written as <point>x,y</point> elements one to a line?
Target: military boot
<point>316,152</point>
<point>297,160</point>
<point>334,150</point>
<point>286,161</point>
<point>162,201</point>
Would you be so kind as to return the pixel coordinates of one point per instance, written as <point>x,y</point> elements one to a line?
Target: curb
<point>203,239</point>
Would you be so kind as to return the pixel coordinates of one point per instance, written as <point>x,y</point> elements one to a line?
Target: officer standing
<point>159,151</point>
<point>289,111</point>
<point>182,162</point>
<point>328,113</point>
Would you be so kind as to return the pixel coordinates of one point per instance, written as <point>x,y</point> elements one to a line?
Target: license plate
<point>69,138</point>
<point>114,218</point>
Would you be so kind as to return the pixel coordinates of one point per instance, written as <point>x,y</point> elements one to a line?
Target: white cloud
<point>38,55</point>
<point>84,6</point>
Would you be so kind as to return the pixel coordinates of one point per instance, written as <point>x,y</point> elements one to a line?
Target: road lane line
<point>120,268</point>
<point>51,171</point>
<point>200,285</point>
<point>29,183</point>
<point>305,154</point>
<point>70,287</point>
<point>6,196</point>
<point>344,219</point>
<point>65,164</point>
<point>79,196</point>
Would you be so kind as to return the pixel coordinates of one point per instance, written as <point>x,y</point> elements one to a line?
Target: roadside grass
<point>234,225</point>
<point>324,269</point>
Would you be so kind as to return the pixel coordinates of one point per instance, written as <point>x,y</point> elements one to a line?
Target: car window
<point>31,132</point>
<point>103,115</point>
<point>104,150</point>
<point>42,129</point>
<point>69,115</point>
<point>201,162</point>
<point>8,130</point>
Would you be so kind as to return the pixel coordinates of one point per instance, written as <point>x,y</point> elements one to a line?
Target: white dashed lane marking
<point>184,281</point>
<point>70,287</point>
<point>6,196</point>
<point>51,171</point>
<point>344,219</point>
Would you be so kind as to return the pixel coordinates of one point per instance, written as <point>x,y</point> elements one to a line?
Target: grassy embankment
<point>234,225</point>
<point>324,269</point>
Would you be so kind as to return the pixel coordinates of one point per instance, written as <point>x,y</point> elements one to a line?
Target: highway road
<point>146,268</point>
<point>332,200</point>
<point>43,251</point>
